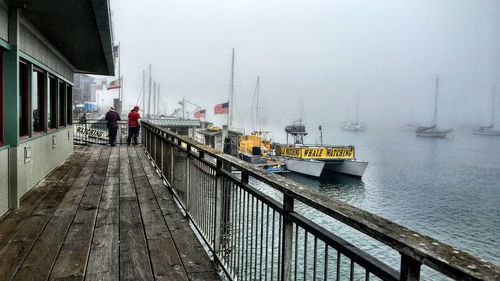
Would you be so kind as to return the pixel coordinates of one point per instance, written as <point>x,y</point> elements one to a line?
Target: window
<point>1,97</point>
<point>38,100</point>
<point>52,104</point>
<point>69,104</point>
<point>62,104</point>
<point>23,99</point>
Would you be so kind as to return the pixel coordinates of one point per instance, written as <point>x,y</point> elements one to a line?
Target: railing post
<point>218,208</point>
<point>410,269</point>
<point>172,150</point>
<point>188,178</point>
<point>287,238</point>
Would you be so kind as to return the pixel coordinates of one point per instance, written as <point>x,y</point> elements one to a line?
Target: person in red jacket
<point>133,125</point>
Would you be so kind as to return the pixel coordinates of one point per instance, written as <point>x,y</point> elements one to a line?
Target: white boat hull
<point>488,133</point>
<point>316,168</point>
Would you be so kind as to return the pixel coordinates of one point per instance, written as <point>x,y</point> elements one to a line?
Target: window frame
<point>69,104</point>
<point>62,103</point>
<point>24,99</point>
<point>41,99</point>
<point>52,100</point>
<point>2,111</point>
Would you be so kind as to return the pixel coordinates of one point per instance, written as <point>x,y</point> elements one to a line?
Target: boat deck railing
<point>261,226</point>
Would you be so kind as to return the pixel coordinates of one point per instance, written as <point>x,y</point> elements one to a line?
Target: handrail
<point>415,248</point>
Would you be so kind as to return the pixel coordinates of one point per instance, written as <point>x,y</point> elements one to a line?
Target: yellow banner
<point>317,153</point>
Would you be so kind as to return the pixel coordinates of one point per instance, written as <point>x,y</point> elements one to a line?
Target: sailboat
<point>255,148</point>
<point>489,130</point>
<point>432,131</point>
<point>354,126</point>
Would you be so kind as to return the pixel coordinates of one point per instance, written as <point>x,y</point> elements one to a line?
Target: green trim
<point>4,147</point>
<point>43,66</point>
<point>6,45</point>
<point>11,97</point>
<point>30,100</point>
<point>51,132</point>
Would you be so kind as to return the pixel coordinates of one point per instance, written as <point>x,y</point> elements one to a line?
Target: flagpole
<point>120,76</point>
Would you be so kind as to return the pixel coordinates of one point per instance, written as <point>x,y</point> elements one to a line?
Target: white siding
<point>3,21</point>
<point>32,43</point>
<point>4,181</point>
<point>44,158</point>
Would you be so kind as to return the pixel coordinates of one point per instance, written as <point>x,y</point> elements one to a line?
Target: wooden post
<point>410,269</point>
<point>287,238</point>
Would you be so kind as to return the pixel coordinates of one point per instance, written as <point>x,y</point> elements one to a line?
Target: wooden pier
<point>104,214</point>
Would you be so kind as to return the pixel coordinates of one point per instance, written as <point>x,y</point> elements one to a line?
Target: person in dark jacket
<point>133,125</point>
<point>112,117</point>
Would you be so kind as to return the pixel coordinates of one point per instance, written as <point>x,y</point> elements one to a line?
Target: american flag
<point>115,84</point>
<point>222,108</point>
<point>200,113</point>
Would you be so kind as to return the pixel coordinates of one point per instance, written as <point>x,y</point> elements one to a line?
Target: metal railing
<point>94,131</point>
<point>260,234</point>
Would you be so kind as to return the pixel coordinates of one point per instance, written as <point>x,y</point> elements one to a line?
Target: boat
<point>255,148</point>
<point>317,160</point>
<point>490,130</point>
<point>354,126</point>
<point>432,131</point>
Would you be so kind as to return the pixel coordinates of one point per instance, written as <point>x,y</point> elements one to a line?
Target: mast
<point>493,92</point>
<point>149,94</point>
<point>231,94</point>
<point>158,100</point>
<point>257,88</point>
<point>143,91</point>
<point>154,99</point>
<point>435,102</point>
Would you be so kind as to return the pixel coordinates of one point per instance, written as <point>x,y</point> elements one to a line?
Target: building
<point>215,139</point>
<point>183,127</point>
<point>42,44</point>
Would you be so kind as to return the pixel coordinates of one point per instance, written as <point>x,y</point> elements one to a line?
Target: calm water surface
<point>448,189</point>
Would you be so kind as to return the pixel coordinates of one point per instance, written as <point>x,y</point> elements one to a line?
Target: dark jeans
<point>112,135</point>
<point>133,132</point>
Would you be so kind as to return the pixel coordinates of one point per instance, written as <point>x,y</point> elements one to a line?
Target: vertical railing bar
<point>281,260</point>
<point>247,208</point>
<point>367,275</point>
<point>251,224</point>
<point>272,247</point>
<point>218,209</point>
<point>305,254</point>
<point>351,274</point>
<point>233,229</point>
<point>267,241</point>
<point>256,225</point>
<point>296,256</point>
<point>261,238</point>
<point>240,232</point>
<point>315,257</point>
<point>338,265</point>
<point>325,274</point>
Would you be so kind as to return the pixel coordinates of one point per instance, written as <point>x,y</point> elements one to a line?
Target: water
<point>448,189</point>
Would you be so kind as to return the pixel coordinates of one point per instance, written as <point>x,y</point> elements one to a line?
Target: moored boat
<point>490,130</point>
<point>432,131</point>
<point>316,161</point>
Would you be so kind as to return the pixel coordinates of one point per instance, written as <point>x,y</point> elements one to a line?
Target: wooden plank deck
<point>104,214</point>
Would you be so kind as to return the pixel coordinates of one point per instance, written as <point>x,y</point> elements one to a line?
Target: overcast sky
<point>321,52</point>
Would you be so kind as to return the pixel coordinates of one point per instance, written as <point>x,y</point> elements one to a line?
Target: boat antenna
<point>357,108</point>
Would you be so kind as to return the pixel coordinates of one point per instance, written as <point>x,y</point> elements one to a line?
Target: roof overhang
<point>80,30</point>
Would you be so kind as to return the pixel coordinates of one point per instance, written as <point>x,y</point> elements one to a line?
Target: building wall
<point>32,43</point>
<point>44,158</point>
<point>3,20</point>
<point>4,181</point>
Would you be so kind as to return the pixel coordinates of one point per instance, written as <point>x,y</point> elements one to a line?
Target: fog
<point>319,54</point>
